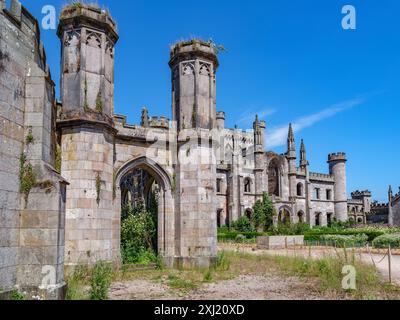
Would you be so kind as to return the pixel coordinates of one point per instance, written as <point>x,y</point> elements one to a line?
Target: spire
<point>390,192</point>
<point>303,155</point>
<point>290,140</point>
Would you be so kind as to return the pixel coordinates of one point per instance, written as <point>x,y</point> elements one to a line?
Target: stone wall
<point>32,207</point>
<point>396,211</point>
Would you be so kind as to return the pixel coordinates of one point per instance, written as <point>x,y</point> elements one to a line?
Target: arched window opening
<point>318,219</point>
<point>284,217</point>
<point>274,178</point>
<point>301,217</point>
<point>300,190</point>
<point>249,213</point>
<point>247,185</point>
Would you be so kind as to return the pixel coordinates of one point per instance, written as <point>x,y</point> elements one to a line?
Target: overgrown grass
<point>323,277</point>
<point>177,282</point>
<point>87,283</point>
<point>77,282</point>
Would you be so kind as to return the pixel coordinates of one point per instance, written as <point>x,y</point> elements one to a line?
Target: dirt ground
<point>259,286</point>
<point>248,287</point>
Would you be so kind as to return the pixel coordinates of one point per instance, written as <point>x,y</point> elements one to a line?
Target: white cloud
<point>277,136</point>
<point>247,118</point>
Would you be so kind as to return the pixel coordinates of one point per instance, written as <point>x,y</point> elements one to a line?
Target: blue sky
<point>289,61</point>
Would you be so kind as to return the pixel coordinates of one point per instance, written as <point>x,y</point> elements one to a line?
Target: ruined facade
<point>32,192</point>
<point>80,162</point>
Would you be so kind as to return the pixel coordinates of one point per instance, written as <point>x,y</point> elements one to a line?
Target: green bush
<point>345,240</point>
<point>387,239</point>
<point>243,224</point>
<point>232,235</point>
<point>100,281</point>
<point>16,296</point>
<point>290,230</point>
<point>370,232</point>
<point>263,213</point>
<point>138,236</point>
<point>240,238</point>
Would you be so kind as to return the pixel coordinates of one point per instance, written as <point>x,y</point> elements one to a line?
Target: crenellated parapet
<point>361,194</point>
<point>158,126</point>
<point>90,15</point>
<point>321,177</point>
<point>194,48</point>
<point>159,122</point>
<point>340,156</point>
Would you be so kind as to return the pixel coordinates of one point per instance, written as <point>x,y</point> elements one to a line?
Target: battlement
<point>361,194</point>
<point>355,201</point>
<point>88,14</point>
<point>379,205</point>
<point>321,177</point>
<point>159,122</point>
<point>340,156</point>
<point>220,115</point>
<point>188,49</point>
<point>154,122</point>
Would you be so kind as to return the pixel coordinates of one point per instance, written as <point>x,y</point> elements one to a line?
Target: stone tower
<point>193,65</point>
<point>366,197</point>
<point>88,36</point>
<point>260,178</point>
<point>337,168</point>
<point>291,156</point>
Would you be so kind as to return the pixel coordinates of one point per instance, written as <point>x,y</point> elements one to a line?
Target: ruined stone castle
<point>66,168</point>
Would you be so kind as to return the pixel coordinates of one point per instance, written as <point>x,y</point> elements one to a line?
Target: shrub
<point>370,232</point>
<point>240,238</point>
<point>16,295</point>
<point>264,212</point>
<point>243,224</point>
<point>100,281</point>
<point>387,239</point>
<point>346,240</point>
<point>291,230</point>
<point>138,236</point>
<point>232,235</point>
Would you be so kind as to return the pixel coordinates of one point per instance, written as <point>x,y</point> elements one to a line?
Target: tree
<point>264,212</point>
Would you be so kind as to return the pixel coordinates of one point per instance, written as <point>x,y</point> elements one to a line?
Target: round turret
<point>337,168</point>
<point>193,64</point>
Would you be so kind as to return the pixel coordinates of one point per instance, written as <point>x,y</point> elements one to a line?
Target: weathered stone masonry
<point>205,175</point>
<point>32,193</point>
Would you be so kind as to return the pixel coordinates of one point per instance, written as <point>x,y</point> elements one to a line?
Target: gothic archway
<point>284,216</point>
<point>301,216</point>
<point>274,178</point>
<point>144,181</point>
